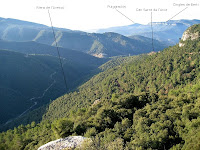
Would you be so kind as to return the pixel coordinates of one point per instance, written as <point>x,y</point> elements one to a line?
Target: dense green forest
<point>27,76</point>
<point>149,102</point>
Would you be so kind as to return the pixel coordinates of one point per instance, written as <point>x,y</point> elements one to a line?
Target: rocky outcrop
<point>64,143</point>
<point>188,35</point>
<point>181,44</point>
<point>96,102</point>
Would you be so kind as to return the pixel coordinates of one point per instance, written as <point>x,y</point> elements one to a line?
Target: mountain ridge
<point>168,32</point>
<point>91,43</point>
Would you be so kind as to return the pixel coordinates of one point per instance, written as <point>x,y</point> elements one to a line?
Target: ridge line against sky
<point>95,14</point>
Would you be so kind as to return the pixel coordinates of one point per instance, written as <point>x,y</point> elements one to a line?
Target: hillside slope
<point>33,80</point>
<point>42,49</point>
<point>100,45</point>
<point>161,72</point>
<point>150,103</point>
<point>169,32</point>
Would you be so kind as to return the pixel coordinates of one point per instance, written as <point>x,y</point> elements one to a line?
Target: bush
<point>62,128</point>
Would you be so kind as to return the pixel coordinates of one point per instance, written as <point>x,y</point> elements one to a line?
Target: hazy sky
<point>94,14</point>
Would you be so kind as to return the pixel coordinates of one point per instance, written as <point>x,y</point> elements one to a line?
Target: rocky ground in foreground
<point>68,142</point>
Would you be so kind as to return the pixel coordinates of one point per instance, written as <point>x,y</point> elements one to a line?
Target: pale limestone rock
<point>181,44</point>
<point>68,142</point>
<point>192,36</point>
<point>187,35</point>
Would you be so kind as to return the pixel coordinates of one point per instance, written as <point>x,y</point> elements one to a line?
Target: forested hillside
<point>100,45</point>
<point>31,47</point>
<point>31,80</point>
<point>150,102</point>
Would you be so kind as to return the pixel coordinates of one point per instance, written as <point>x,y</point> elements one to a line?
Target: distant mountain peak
<point>135,24</point>
<point>168,32</point>
<point>20,22</point>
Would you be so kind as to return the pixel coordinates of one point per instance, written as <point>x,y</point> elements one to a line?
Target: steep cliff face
<point>188,35</point>
<point>191,33</point>
<point>68,142</point>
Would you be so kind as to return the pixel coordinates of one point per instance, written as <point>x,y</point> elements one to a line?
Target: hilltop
<point>99,45</point>
<point>169,32</point>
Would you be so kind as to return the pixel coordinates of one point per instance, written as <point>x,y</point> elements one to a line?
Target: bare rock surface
<point>187,35</point>
<point>68,142</point>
